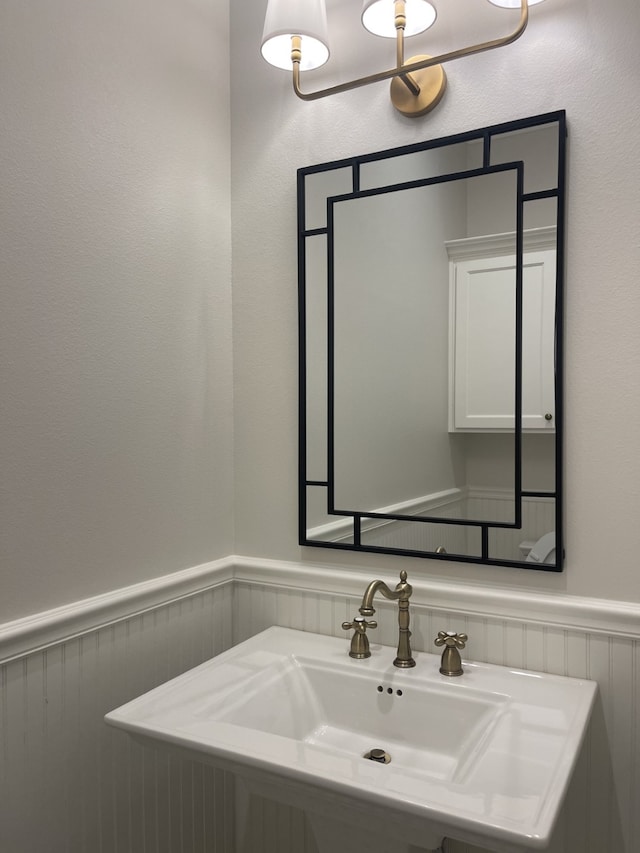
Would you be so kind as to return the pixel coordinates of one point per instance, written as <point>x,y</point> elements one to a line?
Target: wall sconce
<point>295,38</point>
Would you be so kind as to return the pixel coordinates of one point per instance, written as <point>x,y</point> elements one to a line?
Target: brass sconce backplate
<point>432,82</point>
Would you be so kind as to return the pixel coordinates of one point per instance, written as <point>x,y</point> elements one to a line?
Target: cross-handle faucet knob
<point>451,663</point>
<point>359,641</point>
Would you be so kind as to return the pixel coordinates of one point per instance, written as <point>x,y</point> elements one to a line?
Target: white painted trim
<point>503,494</point>
<point>41,630</point>
<point>335,531</point>
<point>590,615</point>
<point>490,245</point>
<point>341,530</point>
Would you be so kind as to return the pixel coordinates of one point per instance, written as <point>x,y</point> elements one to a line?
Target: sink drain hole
<point>378,755</point>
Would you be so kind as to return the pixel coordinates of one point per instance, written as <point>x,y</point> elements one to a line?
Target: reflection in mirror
<point>430,333</point>
<point>420,165</point>
<point>392,444</point>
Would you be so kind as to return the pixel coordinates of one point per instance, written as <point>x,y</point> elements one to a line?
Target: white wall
<point>115,323</point>
<point>577,54</point>
<point>115,317</point>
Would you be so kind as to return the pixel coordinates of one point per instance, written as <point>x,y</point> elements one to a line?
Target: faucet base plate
<point>404,664</point>
<point>451,672</point>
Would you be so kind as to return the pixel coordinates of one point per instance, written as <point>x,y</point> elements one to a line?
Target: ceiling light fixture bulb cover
<point>512,4</point>
<point>287,18</point>
<point>378,16</point>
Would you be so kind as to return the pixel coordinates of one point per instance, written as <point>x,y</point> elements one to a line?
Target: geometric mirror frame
<point>430,282</point>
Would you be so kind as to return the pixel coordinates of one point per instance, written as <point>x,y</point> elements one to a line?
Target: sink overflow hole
<point>378,755</point>
<point>389,690</point>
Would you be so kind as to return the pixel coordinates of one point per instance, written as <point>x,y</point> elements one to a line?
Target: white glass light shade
<point>304,18</point>
<point>378,16</point>
<point>512,4</point>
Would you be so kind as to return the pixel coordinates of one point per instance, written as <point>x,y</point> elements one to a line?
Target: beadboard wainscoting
<point>70,784</point>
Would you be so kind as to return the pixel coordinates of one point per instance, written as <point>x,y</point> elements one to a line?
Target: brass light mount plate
<point>432,82</point>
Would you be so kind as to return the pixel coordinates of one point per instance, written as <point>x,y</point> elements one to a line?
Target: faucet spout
<point>401,594</point>
<point>367,608</point>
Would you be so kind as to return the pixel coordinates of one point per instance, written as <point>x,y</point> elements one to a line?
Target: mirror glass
<point>430,348</point>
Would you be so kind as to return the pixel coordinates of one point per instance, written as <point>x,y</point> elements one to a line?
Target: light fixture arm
<point>403,69</point>
<point>400,24</point>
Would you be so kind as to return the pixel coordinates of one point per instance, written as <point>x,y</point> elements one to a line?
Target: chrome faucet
<point>401,594</point>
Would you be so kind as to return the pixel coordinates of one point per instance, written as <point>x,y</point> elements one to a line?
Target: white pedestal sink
<point>484,758</point>
<point>334,835</point>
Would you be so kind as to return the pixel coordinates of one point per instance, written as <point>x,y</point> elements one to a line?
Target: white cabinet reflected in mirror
<point>430,348</point>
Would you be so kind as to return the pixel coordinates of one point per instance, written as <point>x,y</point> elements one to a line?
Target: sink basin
<point>484,758</point>
<point>428,729</point>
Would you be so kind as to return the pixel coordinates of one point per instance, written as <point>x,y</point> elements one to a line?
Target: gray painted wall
<point>116,442</point>
<point>577,55</point>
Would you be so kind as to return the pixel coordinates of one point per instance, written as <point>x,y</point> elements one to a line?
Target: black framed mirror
<point>430,334</point>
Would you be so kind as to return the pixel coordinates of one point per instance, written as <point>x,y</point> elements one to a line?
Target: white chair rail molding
<point>63,670</point>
